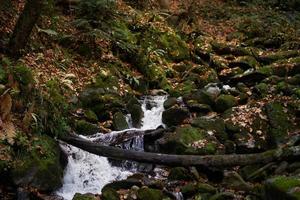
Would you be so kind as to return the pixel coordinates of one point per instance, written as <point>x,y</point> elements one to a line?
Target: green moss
<point>224,102</point>
<point>39,168</point>
<point>109,194</point>
<point>119,121</point>
<point>22,74</point>
<point>149,194</point>
<point>90,116</point>
<point>85,128</point>
<point>180,173</point>
<point>78,196</point>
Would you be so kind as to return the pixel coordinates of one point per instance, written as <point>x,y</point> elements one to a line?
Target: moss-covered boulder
<point>90,116</point>
<point>146,193</point>
<point>279,122</point>
<point>188,140</point>
<point>170,102</point>
<point>134,108</point>
<point>180,173</point>
<point>40,166</point>
<point>83,127</point>
<point>191,189</point>
<point>119,121</point>
<point>281,187</point>
<point>224,102</point>
<point>79,196</point>
<point>109,194</point>
<point>175,116</point>
<point>280,55</point>
<point>216,126</point>
<point>244,62</point>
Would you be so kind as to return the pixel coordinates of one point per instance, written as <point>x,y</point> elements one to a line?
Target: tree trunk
<point>24,26</point>
<point>184,160</point>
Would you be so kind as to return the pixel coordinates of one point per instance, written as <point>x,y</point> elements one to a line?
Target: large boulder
<point>83,127</point>
<point>146,193</point>
<point>135,110</point>
<point>224,102</point>
<point>40,167</point>
<point>175,116</point>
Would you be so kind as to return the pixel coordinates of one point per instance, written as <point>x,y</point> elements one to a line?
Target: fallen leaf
<point>5,106</point>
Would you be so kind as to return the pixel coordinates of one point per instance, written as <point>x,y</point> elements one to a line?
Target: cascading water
<point>88,173</point>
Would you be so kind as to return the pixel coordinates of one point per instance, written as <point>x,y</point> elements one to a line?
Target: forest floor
<point>235,65</point>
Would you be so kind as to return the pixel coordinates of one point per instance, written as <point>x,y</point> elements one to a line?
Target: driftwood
<point>184,160</point>
<point>116,138</point>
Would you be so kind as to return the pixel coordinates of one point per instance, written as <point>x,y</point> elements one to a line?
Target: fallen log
<point>183,160</point>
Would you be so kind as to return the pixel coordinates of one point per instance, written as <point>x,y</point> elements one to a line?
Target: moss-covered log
<point>184,160</point>
<point>24,26</point>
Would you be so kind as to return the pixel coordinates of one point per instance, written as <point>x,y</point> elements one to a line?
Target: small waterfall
<point>88,173</point>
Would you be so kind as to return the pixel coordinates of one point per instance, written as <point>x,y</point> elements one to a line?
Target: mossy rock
<point>279,122</point>
<point>224,102</point>
<point>79,196</point>
<point>185,88</point>
<point>90,116</point>
<point>180,141</point>
<point>180,173</point>
<point>83,127</point>
<point>216,125</point>
<point>198,107</point>
<point>174,116</point>
<point>281,55</point>
<point>40,168</point>
<point>119,121</point>
<point>136,113</point>
<point>170,102</point>
<point>109,194</point>
<point>176,47</point>
<point>281,187</point>
<point>225,49</point>
<point>223,196</point>
<point>191,189</point>
<point>146,193</point>
<point>262,89</point>
<point>245,62</point>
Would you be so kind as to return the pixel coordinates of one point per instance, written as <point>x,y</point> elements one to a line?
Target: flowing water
<point>88,173</point>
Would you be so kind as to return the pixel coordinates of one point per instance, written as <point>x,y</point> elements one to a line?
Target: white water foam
<point>88,173</point>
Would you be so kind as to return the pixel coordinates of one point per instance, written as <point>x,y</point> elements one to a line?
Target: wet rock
<point>135,109</point>
<point>282,187</point>
<point>83,127</point>
<point>125,184</point>
<point>170,102</point>
<point>224,102</point>
<point>40,171</point>
<point>180,173</point>
<point>119,121</point>
<point>79,196</point>
<point>175,116</point>
<point>146,193</point>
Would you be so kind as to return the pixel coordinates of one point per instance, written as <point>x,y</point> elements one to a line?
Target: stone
<point>180,173</point>
<point>41,171</point>
<point>223,196</point>
<point>234,181</point>
<point>90,116</point>
<point>170,102</point>
<point>279,122</point>
<point>146,193</point>
<point>179,142</point>
<point>282,187</point>
<point>83,127</point>
<point>79,196</point>
<point>119,122</point>
<point>224,102</point>
<point>135,110</point>
<point>175,116</point>
<point>109,194</point>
